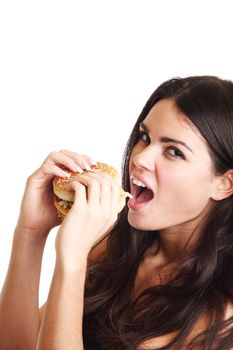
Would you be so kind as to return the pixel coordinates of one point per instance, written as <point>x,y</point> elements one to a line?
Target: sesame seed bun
<point>64,199</point>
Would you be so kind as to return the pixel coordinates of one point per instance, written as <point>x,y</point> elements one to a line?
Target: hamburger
<point>63,199</point>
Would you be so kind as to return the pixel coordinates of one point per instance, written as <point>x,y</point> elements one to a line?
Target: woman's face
<point>179,173</point>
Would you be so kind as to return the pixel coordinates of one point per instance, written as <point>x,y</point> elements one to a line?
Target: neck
<point>180,240</point>
<point>176,243</point>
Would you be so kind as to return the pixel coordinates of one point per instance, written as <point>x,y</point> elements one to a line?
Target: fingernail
<point>95,170</point>
<point>66,174</point>
<point>80,171</point>
<point>87,167</point>
<point>93,162</point>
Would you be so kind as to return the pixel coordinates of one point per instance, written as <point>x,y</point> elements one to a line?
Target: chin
<point>144,224</point>
<point>138,223</point>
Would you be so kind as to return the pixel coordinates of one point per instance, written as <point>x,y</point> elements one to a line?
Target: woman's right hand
<point>37,212</point>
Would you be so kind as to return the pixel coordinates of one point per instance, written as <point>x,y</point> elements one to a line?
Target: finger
<point>80,196</point>
<point>51,169</point>
<point>93,187</point>
<point>90,160</point>
<point>116,199</point>
<point>82,160</point>
<point>58,158</point>
<point>111,192</point>
<point>106,183</point>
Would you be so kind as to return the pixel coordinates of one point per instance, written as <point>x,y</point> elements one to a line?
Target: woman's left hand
<point>94,212</point>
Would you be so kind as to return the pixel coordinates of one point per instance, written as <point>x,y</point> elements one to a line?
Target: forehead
<point>164,119</point>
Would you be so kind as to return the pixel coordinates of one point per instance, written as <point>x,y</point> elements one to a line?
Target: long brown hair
<point>112,320</point>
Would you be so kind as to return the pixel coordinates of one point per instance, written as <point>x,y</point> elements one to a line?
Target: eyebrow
<point>165,139</point>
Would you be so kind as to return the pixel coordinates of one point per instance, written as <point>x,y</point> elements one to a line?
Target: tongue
<point>145,196</point>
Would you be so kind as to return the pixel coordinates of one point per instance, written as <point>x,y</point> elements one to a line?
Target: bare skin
<point>19,319</point>
<point>90,217</point>
<point>195,187</point>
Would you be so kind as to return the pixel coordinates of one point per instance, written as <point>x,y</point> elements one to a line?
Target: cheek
<point>130,163</point>
<point>184,190</point>
<point>185,179</point>
<point>134,152</point>
<point>182,195</point>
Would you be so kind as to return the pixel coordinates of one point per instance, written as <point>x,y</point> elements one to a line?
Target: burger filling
<point>63,203</point>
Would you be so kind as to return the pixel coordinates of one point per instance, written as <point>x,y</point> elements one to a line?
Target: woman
<point>163,277</point>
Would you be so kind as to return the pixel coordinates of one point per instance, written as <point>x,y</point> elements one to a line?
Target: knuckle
<point>44,167</point>
<point>87,158</point>
<point>76,184</point>
<point>29,179</point>
<point>78,158</point>
<point>52,154</point>
<point>104,177</point>
<point>95,182</point>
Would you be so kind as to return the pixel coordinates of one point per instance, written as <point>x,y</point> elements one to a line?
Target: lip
<point>136,206</point>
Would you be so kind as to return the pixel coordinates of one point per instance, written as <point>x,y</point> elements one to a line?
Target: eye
<point>142,135</point>
<point>175,152</point>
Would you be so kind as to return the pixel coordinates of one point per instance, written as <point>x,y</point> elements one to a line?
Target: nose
<point>145,159</point>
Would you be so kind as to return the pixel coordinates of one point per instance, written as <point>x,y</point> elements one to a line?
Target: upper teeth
<point>138,183</point>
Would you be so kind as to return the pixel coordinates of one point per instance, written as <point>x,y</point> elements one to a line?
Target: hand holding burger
<point>63,199</point>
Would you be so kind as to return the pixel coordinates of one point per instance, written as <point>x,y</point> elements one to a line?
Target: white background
<point>76,74</point>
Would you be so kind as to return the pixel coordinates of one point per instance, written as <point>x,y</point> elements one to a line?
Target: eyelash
<point>142,134</point>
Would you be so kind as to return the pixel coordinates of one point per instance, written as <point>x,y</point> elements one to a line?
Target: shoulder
<point>198,328</point>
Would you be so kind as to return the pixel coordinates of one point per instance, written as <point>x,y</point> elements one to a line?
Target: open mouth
<point>141,194</point>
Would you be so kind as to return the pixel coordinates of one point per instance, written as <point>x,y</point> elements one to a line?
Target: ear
<point>224,186</point>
